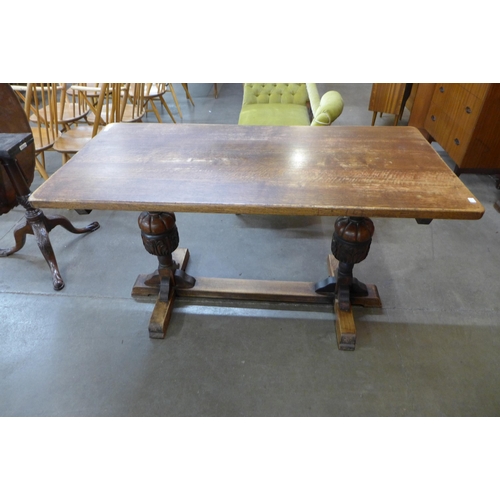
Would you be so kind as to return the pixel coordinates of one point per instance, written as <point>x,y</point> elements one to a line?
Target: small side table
<point>35,221</point>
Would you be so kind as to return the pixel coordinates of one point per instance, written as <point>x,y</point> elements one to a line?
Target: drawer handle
<point>457,142</point>
<point>468,110</point>
<point>433,118</point>
<point>441,89</point>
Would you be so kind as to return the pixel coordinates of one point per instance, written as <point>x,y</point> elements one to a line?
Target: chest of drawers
<point>464,118</point>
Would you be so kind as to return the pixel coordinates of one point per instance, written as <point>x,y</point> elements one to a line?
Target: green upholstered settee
<point>288,104</point>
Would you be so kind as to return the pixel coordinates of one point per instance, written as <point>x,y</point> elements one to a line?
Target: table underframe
<point>171,280</point>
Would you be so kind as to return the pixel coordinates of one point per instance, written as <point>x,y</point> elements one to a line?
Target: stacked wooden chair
<point>116,102</point>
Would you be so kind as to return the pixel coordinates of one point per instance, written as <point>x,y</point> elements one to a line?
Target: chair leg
<point>40,166</point>
<point>174,97</point>
<point>165,105</point>
<point>154,109</point>
<point>188,95</point>
<point>216,92</point>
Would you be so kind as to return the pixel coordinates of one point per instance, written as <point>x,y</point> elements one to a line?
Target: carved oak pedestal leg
<point>161,238</point>
<point>350,245</point>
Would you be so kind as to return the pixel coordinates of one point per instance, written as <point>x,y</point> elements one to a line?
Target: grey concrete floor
<point>432,350</point>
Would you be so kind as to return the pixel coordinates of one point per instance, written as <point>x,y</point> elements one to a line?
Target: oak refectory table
<point>353,173</point>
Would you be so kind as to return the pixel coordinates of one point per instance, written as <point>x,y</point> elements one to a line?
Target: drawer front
<point>453,137</point>
<point>477,89</point>
<point>457,102</point>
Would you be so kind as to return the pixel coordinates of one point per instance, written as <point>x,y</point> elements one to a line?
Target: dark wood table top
<point>357,171</point>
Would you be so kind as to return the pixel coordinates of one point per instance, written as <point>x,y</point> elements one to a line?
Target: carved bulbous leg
<point>351,242</point>
<point>352,239</point>
<point>350,245</point>
<point>161,238</point>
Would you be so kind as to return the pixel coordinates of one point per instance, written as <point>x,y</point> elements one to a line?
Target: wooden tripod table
<point>350,172</point>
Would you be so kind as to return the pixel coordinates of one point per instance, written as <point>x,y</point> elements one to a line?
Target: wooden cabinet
<point>388,98</point>
<point>464,118</point>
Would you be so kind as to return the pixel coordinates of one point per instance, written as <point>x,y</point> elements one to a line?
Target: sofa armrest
<point>329,109</point>
<point>313,96</point>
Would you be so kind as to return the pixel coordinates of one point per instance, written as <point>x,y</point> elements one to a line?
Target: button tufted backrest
<point>275,93</point>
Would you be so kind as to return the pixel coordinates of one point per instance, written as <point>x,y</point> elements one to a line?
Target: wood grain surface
<point>357,171</point>
<point>387,98</point>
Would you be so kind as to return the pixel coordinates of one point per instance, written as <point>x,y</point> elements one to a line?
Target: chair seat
<point>43,138</point>
<point>129,115</point>
<point>74,139</point>
<point>155,92</point>
<point>71,114</point>
<point>274,114</point>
